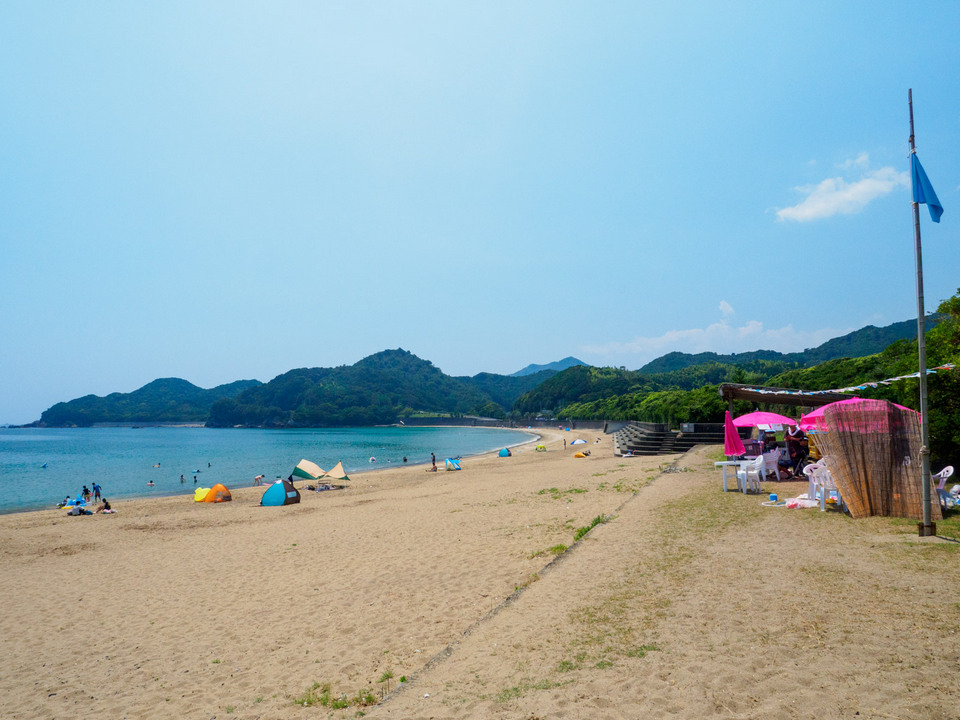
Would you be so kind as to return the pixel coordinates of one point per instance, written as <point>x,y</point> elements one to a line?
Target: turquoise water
<point>122,460</point>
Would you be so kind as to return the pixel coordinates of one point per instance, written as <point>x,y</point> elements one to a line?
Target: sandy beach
<point>682,601</point>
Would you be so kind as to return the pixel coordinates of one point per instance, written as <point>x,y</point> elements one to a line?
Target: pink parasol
<point>810,421</point>
<point>762,418</point>
<point>732,444</point>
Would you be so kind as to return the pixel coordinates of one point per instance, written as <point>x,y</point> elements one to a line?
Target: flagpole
<point>926,527</point>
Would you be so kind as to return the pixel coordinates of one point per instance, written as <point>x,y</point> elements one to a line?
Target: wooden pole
<point>926,527</point>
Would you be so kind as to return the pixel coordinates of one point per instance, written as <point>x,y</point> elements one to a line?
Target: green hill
<point>503,390</point>
<point>377,390</point>
<point>557,366</point>
<point>167,400</point>
<point>865,341</point>
<point>393,384</point>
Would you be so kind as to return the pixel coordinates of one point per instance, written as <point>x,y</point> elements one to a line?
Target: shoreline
<point>185,490</point>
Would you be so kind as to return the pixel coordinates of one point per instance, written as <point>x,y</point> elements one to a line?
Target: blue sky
<point>218,191</point>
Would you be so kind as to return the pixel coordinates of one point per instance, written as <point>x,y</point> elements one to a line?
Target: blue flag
<point>923,190</point>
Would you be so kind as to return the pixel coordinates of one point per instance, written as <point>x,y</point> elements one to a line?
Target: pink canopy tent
<point>810,421</point>
<point>762,418</point>
<point>732,444</point>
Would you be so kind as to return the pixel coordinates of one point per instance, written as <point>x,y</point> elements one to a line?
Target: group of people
<point>78,506</point>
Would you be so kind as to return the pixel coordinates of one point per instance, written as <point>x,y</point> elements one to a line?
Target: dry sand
<point>687,603</point>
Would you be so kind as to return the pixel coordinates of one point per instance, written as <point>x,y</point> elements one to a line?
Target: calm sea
<point>39,467</point>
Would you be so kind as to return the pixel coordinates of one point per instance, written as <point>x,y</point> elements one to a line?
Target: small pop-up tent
<point>541,448</point>
<point>337,473</point>
<point>452,464</point>
<point>579,455</point>
<point>200,493</point>
<point>308,470</point>
<point>281,492</point>
<point>218,493</point>
<point>504,453</point>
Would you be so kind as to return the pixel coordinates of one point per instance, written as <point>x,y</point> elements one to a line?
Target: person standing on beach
<point>96,492</point>
<point>433,461</point>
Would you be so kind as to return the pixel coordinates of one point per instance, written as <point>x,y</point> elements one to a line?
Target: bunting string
<point>853,388</point>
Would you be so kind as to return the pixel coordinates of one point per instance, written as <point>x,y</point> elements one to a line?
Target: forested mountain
<point>865,341</point>
<point>379,389</point>
<point>165,400</point>
<point>557,366</point>
<point>585,385</point>
<point>504,390</point>
<point>656,392</point>
<point>394,384</point>
<point>376,390</point>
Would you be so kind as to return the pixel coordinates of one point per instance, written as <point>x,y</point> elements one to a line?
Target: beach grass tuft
<point>555,550</point>
<point>363,698</point>
<point>517,691</point>
<point>598,520</point>
<point>642,651</point>
<point>557,494</point>
<point>324,697</point>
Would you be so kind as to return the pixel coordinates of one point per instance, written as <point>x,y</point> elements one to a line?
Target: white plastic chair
<point>810,471</point>
<point>941,477</point>
<point>947,500</point>
<point>750,474</point>
<point>771,463</point>
<point>823,481</point>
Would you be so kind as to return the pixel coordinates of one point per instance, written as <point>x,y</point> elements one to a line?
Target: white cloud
<point>726,308</point>
<point>835,195</point>
<point>720,337</point>
<point>862,160</point>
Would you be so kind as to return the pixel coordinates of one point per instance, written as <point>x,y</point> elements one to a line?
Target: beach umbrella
<point>732,444</point>
<point>762,418</point>
<point>810,420</point>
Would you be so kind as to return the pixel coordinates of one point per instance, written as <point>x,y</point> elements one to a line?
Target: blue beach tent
<point>505,453</point>
<point>452,464</point>
<point>281,492</point>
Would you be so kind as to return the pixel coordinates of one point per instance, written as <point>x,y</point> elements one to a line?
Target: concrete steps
<point>657,439</point>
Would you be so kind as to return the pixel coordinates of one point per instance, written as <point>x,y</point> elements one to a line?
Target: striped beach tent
<point>308,470</point>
